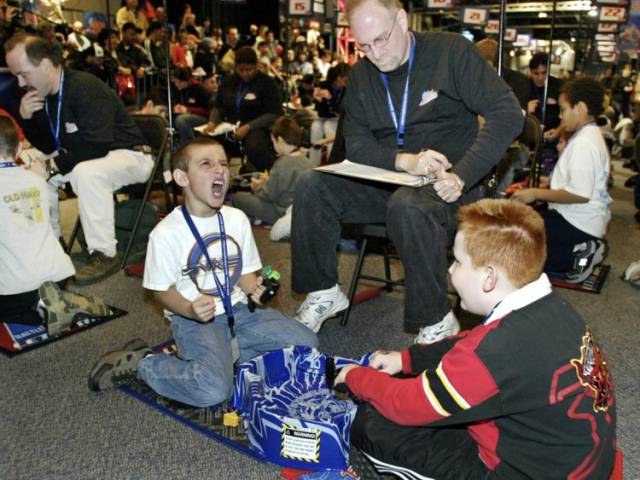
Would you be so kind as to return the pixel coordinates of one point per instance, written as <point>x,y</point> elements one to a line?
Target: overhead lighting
<point>593,12</point>
<point>542,15</point>
<point>573,39</point>
<point>512,53</point>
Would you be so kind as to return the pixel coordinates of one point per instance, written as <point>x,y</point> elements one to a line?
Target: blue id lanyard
<point>240,95</point>
<point>225,290</point>
<point>8,164</point>
<point>55,131</point>
<point>400,123</point>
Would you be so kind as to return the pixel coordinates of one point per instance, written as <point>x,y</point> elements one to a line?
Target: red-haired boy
<point>526,394</point>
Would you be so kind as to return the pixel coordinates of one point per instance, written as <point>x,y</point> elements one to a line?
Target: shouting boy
<point>200,266</point>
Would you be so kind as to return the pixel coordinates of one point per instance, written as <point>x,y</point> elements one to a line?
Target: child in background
<point>33,265</point>
<point>526,394</point>
<point>200,266</point>
<point>578,214</point>
<point>271,194</point>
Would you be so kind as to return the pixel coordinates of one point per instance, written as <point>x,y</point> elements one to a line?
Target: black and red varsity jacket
<point>532,388</point>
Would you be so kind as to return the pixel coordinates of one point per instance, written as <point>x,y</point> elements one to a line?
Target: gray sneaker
<point>118,367</point>
<point>98,267</point>
<point>62,307</point>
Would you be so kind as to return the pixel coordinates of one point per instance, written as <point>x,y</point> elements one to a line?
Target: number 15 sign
<point>300,7</point>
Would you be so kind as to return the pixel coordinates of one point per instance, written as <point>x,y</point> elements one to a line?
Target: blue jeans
<point>186,122</point>
<point>202,373</point>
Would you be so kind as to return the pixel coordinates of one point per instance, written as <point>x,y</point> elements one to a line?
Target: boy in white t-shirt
<point>211,322</point>
<point>33,265</point>
<point>578,213</point>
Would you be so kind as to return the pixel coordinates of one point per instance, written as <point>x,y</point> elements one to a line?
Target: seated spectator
<point>207,56</point>
<point>33,264</point>
<point>94,143</point>
<point>526,394</point>
<point>131,55</point>
<point>305,115</point>
<point>154,46</point>
<point>129,13</point>
<point>304,66</point>
<point>106,65</point>
<point>182,51</point>
<point>77,39</point>
<point>272,193</point>
<point>192,102</point>
<point>328,100</point>
<point>578,213</point>
<point>252,100</point>
<point>211,322</point>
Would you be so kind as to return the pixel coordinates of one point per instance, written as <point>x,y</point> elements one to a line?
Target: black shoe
<point>118,367</point>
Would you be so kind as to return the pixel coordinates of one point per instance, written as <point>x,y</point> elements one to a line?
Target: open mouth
<point>218,188</point>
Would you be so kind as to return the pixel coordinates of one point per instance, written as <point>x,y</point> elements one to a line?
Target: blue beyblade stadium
<point>291,416</point>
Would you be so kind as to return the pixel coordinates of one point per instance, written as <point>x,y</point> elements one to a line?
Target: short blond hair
<point>507,234</point>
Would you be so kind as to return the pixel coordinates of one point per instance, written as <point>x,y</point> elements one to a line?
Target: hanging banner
<point>300,7</point>
<point>493,26</point>
<point>510,34</point>
<point>522,40</point>
<point>613,14</point>
<point>474,15</point>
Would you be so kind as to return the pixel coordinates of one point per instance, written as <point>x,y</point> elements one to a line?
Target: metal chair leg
<point>354,281</point>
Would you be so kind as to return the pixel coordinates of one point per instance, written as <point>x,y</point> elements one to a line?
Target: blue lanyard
<point>400,123</point>
<point>239,95</point>
<point>225,290</point>
<point>56,131</point>
<point>8,164</point>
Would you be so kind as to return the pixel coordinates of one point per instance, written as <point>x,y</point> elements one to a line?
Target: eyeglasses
<point>378,43</point>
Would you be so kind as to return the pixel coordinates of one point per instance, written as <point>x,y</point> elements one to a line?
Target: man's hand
<point>526,195</point>
<point>242,131</point>
<point>210,127</point>
<point>532,106</point>
<point>203,308</point>
<point>428,161</point>
<point>449,186</point>
<point>387,362</point>
<point>31,102</point>
<point>342,376</point>
<point>321,93</point>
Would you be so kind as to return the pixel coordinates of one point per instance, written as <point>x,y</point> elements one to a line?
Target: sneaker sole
<point>59,318</point>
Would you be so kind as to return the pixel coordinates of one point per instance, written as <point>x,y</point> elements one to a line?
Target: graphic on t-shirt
<point>200,273</point>
<point>25,205</point>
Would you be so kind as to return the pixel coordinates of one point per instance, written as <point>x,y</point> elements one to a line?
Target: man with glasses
<point>412,105</point>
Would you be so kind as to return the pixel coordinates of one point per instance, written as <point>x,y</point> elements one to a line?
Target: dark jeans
<point>445,453</point>
<point>419,223</point>
<point>561,238</point>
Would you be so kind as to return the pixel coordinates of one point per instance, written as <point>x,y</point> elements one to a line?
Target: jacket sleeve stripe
<point>440,392</point>
<point>462,403</point>
<point>431,396</point>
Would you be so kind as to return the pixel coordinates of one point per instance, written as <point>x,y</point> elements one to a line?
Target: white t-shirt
<point>175,259</point>
<point>30,253</point>
<point>583,169</point>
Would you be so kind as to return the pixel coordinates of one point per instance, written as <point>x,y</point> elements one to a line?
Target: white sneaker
<point>321,305</point>
<point>434,333</point>
<point>282,228</point>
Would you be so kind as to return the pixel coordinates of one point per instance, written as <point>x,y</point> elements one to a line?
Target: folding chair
<point>371,231</point>
<point>154,131</point>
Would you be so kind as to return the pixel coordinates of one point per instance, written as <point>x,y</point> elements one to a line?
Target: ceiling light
<point>593,12</point>
<point>542,15</point>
